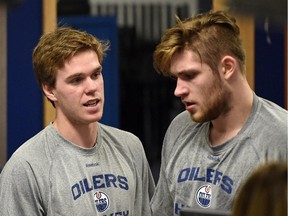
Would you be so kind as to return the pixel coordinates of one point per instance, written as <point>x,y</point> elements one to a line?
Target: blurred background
<point>137,98</point>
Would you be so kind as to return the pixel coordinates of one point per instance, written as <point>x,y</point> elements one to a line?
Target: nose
<point>91,85</point>
<point>181,88</point>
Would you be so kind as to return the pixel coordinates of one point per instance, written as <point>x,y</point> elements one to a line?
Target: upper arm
<point>19,190</point>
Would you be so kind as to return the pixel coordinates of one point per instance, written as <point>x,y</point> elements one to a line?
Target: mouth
<point>189,105</point>
<point>91,103</point>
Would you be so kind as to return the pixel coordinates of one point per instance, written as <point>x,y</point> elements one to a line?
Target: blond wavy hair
<point>211,35</point>
<point>55,47</point>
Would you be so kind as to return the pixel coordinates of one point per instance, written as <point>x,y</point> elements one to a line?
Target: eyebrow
<point>99,68</point>
<point>187,71</point>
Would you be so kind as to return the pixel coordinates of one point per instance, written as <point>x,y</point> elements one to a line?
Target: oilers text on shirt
<point>208,176</point>
<point>102,200</point>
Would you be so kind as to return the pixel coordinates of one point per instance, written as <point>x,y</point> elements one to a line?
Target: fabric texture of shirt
<point>196,175</point>
<point>48,175</point>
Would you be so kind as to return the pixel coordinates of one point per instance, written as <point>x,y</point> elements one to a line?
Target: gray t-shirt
<point>195,174</point>
<point>49,175</point>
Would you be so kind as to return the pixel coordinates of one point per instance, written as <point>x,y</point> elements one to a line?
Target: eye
<point>76,80</point>
<point>96,74</point>
<point>188,76</point>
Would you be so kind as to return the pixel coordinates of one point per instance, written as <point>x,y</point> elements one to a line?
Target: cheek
<point>101,86</point>
<point>68,96</point>
<point>212,92</point>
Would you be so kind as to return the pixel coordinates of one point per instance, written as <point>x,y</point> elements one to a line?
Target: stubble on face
<point>215,102</point>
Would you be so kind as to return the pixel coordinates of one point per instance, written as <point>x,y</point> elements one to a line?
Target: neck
<point>228,125</point>
<point>79,134</point>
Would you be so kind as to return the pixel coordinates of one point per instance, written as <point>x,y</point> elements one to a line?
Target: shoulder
<point>183,117</point>
<point>125,143</point>
<point>268,130</point>
<point>271,108</point>
<point>28,162</point>
<point>121,139</point>
<point>182,125</point>
<point>115,133</point>
<point>271,116</point>
<point>32,147</point>
<point>32,154</point>
<point>181,128</point>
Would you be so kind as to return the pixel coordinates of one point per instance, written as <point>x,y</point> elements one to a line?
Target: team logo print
<point>204,196</point>
<point>102,201</point>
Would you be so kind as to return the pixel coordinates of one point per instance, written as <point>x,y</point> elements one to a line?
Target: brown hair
<point>211,35</point>
<point>264,193</point>
<point>56,47</point>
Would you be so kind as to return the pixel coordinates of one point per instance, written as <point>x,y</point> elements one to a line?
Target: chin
<point>93,119</point>
<point>198,118</point>
<point>96,119</point>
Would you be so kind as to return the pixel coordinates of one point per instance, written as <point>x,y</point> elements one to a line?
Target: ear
<point>49,92</point>
<point>228,66</point>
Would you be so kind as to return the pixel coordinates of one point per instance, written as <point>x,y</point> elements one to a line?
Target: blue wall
<point>270,62</point>
<point>25,115</point>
